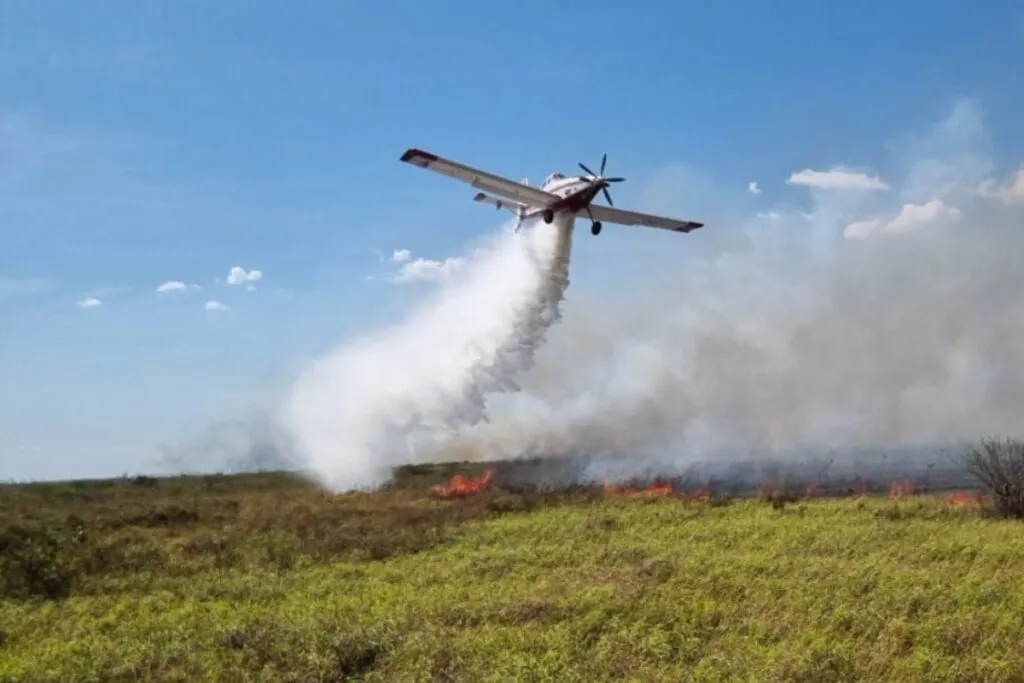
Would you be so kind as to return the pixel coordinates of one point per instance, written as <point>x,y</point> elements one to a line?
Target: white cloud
<point>216,306</point>
<point>910,217</point>
<point>752,188</point>
<point>238,276</point>
<point>175,286</point>
<point>862,229</point>
<point>171,286</point>
<point>837,179</point>
<point>1010,193</point>
<point>89,302</point>
<point>421,269</point>
<point>769,215</point>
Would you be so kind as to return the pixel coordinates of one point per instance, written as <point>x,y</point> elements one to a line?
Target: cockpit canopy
<point>553,177</point>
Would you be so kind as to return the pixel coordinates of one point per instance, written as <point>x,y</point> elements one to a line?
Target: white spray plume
<point>360,410</point>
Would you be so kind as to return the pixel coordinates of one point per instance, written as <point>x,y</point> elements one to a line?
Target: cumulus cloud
<point>240,276</point>
<point>752,188</point>
<point>89,302</point>
<point>171,286</point>
<point>175,286</point>
<point>1012,192</point>
<point>837,179</point>
<point>421,269</point>
<point>910,217</point>
<point>212,305</point>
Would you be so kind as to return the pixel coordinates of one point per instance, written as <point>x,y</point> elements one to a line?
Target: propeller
<point>600,180</point>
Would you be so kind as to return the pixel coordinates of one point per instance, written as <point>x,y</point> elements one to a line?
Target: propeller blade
<point>607,196</point>
<point>614,180</point>
<point>604,159</point>
<point>587,170</point>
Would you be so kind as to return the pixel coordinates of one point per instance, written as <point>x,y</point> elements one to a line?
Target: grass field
<point>263,577</point>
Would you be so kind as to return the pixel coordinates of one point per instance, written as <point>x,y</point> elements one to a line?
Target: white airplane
<point>559,195</point>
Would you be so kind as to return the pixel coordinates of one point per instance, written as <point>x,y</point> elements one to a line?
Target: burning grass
<point>462,486</point>
<point>266,577</point>
<point>657,488</point>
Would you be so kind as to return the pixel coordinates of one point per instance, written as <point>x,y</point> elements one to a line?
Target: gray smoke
<point>230,446</point>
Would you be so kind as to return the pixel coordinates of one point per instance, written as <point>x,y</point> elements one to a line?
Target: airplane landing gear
<point>595,228</point>
<point>549,216</point>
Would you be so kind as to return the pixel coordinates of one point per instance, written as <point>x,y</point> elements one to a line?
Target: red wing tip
<point>418,154</point>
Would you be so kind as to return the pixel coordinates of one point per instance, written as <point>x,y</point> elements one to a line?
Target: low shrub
<point>34,563</point>
<point>999,465</point>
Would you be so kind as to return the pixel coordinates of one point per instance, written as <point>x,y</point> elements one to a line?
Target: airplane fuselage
<point>575,192</point>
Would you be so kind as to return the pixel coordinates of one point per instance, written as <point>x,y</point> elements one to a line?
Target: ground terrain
<point>265,577</point>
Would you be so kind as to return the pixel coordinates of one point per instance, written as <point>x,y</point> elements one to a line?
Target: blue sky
<point>145,142</point>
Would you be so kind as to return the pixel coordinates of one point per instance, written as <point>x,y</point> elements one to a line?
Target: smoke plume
<point>881,317</point>
<point>369,405</point>
<point>879,310</point>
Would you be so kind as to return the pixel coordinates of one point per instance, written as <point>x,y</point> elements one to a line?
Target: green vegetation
<point>264,577</point>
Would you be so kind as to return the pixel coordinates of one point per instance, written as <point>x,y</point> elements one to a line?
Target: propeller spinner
<point>599,179</point>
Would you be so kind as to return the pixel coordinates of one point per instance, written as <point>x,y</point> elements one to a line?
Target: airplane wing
<point>609,214</point>
<point>481,179</point>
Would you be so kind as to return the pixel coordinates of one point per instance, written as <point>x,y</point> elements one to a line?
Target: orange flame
<point>962,498</point>
<point>461,486</point>
<point>657,488</point>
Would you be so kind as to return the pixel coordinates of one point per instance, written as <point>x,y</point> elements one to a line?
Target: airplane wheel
<point>595,229</point>
<point>549,216</point>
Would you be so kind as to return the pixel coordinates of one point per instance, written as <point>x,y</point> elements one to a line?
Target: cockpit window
<point>553,177</point>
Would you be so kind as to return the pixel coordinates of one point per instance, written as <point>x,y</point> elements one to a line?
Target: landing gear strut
<point>549,216</point>
<point>595,228</point>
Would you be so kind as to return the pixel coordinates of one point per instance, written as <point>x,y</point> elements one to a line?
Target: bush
<point>999,466</point>
<point>33,564</point>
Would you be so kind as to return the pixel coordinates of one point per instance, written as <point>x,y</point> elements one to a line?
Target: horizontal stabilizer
<point>514,207</point>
